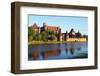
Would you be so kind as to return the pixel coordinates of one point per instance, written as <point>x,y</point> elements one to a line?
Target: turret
<point>78,35</point>
<point>59,35</point>
<point>72,33</point>
<point>44,26</point>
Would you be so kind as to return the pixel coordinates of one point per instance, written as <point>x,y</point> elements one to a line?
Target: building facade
<point>71,36</point>
<point>36,28</point>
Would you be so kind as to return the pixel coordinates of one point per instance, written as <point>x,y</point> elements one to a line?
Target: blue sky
<point>64,22</point>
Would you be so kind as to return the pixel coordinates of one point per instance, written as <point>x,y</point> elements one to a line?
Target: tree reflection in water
<point>72,48</point>
<point>45,54</point>
<point>66,50</point>
<point>35,55</point>
<point>79,48</point>
<point>51,51</point>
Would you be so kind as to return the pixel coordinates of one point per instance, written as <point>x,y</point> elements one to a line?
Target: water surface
<point>72,50</point>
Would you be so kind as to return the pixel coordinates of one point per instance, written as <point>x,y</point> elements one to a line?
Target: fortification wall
<point>76,39</point>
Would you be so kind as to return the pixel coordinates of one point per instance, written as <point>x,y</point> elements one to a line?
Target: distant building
<point>71,36</point>
<point>78,35</point>
<point>72,33</point>
<point>52,28</point>
<point>36,28</point>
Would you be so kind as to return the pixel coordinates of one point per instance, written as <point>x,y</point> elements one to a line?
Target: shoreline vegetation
<point>53,42</point>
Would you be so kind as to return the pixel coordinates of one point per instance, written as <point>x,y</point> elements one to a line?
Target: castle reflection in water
<point>58,51</point>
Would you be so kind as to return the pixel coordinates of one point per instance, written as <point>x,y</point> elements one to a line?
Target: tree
<point>50,32</point>
<point>44,36</point>
<point>38,37</point>
<point>31,33</point>
<point>51,35</point>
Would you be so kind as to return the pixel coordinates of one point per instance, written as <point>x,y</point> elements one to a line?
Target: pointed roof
<point>78,32</point>
<point>35,26</point>
<point>72,30</point>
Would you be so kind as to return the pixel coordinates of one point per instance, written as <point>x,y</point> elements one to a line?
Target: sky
<point>64,22</point>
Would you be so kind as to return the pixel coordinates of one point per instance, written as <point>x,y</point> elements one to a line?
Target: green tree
<point>53,37</point>
<point>44,36</point>
<point>51,34</point>
<point>38,37</point>
<point>31,34</point>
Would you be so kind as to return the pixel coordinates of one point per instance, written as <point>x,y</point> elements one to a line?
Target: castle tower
<point>72,33</point>
<point>66,36</point>
<point>59,38</point>
<point>36,28</point>
<point>78,34</point>
<point>45,26</point>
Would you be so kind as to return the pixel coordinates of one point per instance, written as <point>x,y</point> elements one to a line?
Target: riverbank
<point>52,42</point>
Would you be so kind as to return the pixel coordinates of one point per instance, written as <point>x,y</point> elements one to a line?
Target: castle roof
<point>78,32</point>
<point>35,26</point>
<point>52,27</point>
<point>72,30</point>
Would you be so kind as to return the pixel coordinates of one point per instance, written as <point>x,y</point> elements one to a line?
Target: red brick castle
<point>71,36</point>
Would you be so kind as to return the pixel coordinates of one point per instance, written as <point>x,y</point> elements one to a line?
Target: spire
<point>78,34</point>
<point>44,24</point>
<point>78,31</point>
<point>72,30</point>
<point>66,32</point>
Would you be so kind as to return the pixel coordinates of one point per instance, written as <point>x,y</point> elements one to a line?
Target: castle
<point>71,36</point>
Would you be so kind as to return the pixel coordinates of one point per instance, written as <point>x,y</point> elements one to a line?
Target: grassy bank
<point>52,42</point>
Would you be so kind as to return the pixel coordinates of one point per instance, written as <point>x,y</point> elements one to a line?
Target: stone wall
<point>76,39</point>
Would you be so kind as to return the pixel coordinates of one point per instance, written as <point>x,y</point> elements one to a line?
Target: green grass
<point>48,42</point>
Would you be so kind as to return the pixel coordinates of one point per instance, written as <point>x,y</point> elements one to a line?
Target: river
<point>71,50</point>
